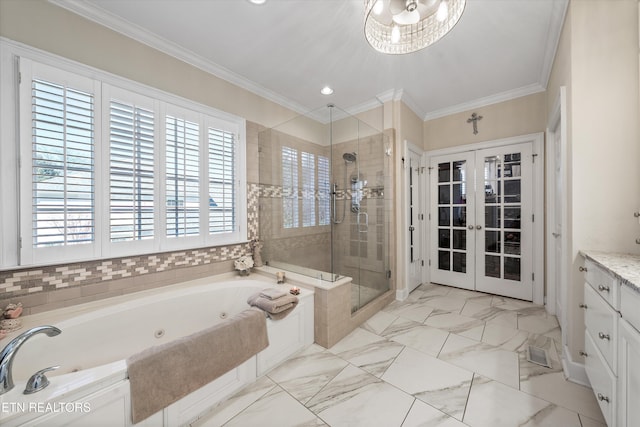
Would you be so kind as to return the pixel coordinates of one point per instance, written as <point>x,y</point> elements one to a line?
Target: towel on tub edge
<point>163,374</point>
<point>277,308</point>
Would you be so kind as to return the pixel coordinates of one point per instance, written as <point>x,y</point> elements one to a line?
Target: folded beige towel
<point>275,308</point>
<point>163,374</point>
<point>273,293</point>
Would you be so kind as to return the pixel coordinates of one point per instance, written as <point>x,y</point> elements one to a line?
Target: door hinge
<point>421,217</point>
<point>388,274</point>
<point>533,276</point>
<point>422,262</point>
<point>20,242</point>
<point>19,77</point>
<point>533,217</point>
<point>533,157</point>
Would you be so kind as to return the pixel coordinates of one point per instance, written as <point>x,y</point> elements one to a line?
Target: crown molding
<point>135,32</point>
<point>554,31</point>
<point>483,102</point>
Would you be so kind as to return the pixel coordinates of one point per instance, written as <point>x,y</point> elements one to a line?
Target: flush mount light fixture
<point>258,1</point>
<point>326,90</point>
<point>405,26</point>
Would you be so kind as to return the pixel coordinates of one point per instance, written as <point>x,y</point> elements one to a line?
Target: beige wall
<point>597,60</point>
<point>520,116</point>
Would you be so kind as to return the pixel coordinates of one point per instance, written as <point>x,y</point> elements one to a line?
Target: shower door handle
<point>364,229</point>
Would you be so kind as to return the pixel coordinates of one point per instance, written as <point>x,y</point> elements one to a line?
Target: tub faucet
<point>9,353</point>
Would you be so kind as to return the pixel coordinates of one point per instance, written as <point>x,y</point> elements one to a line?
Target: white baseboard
<point>575,372</point>
<point>402,294</point>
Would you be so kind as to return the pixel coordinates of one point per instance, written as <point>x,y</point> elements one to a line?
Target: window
<point>182,177</point>
<point>116,168</point>
<point>309,205</point>
<point>131,170</point>
<point>289,187</point>
<point>222,188</point>
<point>63,165</point>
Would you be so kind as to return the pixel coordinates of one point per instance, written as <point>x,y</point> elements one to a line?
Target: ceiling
<point>287,50</point>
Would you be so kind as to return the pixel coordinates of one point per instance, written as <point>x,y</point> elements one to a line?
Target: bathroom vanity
<point>612,334</point>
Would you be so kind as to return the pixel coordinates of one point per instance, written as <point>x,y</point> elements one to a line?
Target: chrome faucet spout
<point>9,353</point>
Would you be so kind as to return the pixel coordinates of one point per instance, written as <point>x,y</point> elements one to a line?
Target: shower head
<point>349,157</point>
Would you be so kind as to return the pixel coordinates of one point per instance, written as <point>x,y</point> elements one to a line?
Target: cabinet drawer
<point>602,381</point>
<point>603,283</point>
<point>601,323</point>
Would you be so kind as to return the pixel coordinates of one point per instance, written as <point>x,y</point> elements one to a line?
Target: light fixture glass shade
<point>379,27</point>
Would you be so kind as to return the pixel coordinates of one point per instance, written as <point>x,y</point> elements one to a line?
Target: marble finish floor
<point>444,357</point>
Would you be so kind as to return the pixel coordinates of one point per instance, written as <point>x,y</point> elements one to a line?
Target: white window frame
<point>15,144</point>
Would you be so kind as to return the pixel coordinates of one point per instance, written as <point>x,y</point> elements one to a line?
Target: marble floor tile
<point>356,398</point>
<point>416,335</point>
<point>505,337</point>
<point>431,380</point>
<point>490,314</point>
<point>367,351</point>
<point>555,388</point>
<point>588,422</point>
<point>537,323</point>
<point>445,302</point>
<point>418,312</point>
<point>506,303</point>
<point>471,296</point>
<point>433,289</point>
<point>236,403</point>
<point>423,415</point>
<point>378,322</point>
<point>304,374</point>
<point>276,409</point>
<point>457,324</point>
<point>491,362</point>
<point>492,404</point>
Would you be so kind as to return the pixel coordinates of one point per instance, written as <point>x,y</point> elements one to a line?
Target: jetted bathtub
<point>91,385</point>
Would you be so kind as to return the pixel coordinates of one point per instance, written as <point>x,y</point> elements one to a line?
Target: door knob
<point>478,227</point>
<point>555,234</point>
<point>470,227</point>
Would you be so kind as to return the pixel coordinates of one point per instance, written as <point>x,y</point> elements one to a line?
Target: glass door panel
<point>451,203</point>
<point>501,268</point>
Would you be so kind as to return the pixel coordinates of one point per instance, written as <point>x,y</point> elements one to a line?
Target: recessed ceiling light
<point>258,1</point>
<point>326,90</point>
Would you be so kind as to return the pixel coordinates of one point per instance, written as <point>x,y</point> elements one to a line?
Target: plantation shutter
<point>182,177</point>
<point>63,196</point>
<point>222,199</point>
<point>324,213</point>
<point>289,187</point>
<point>308,189</point>
<point>131,169</point>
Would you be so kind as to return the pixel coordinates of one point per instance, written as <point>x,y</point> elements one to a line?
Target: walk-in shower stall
<point>323,209</point>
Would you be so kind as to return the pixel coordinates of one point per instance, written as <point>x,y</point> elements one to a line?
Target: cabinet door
<point>628,376</point>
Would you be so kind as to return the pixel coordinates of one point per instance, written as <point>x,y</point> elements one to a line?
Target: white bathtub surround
<point>322,387</point>
<point>97,337</point>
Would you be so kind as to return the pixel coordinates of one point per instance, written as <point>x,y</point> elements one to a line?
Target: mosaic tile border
<point>42,279</point>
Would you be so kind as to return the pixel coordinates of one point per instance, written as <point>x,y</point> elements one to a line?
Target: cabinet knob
<point>603,288</point>
<point>583,306</point>
<point>581,268</point>
<point>602,398</point>
<point>603,336</point>
<point>583,353</point>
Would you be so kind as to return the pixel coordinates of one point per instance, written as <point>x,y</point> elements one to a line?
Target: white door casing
<point>414,172</point>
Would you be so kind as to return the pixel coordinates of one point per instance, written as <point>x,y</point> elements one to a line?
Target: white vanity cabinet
<point>612,334</point>
<point>601,305</point>
<point>629,359</point>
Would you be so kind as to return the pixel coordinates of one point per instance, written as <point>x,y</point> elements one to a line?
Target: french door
<point>482,220</point>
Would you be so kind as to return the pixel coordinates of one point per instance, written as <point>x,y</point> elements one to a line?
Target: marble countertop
<point>625,267</point>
